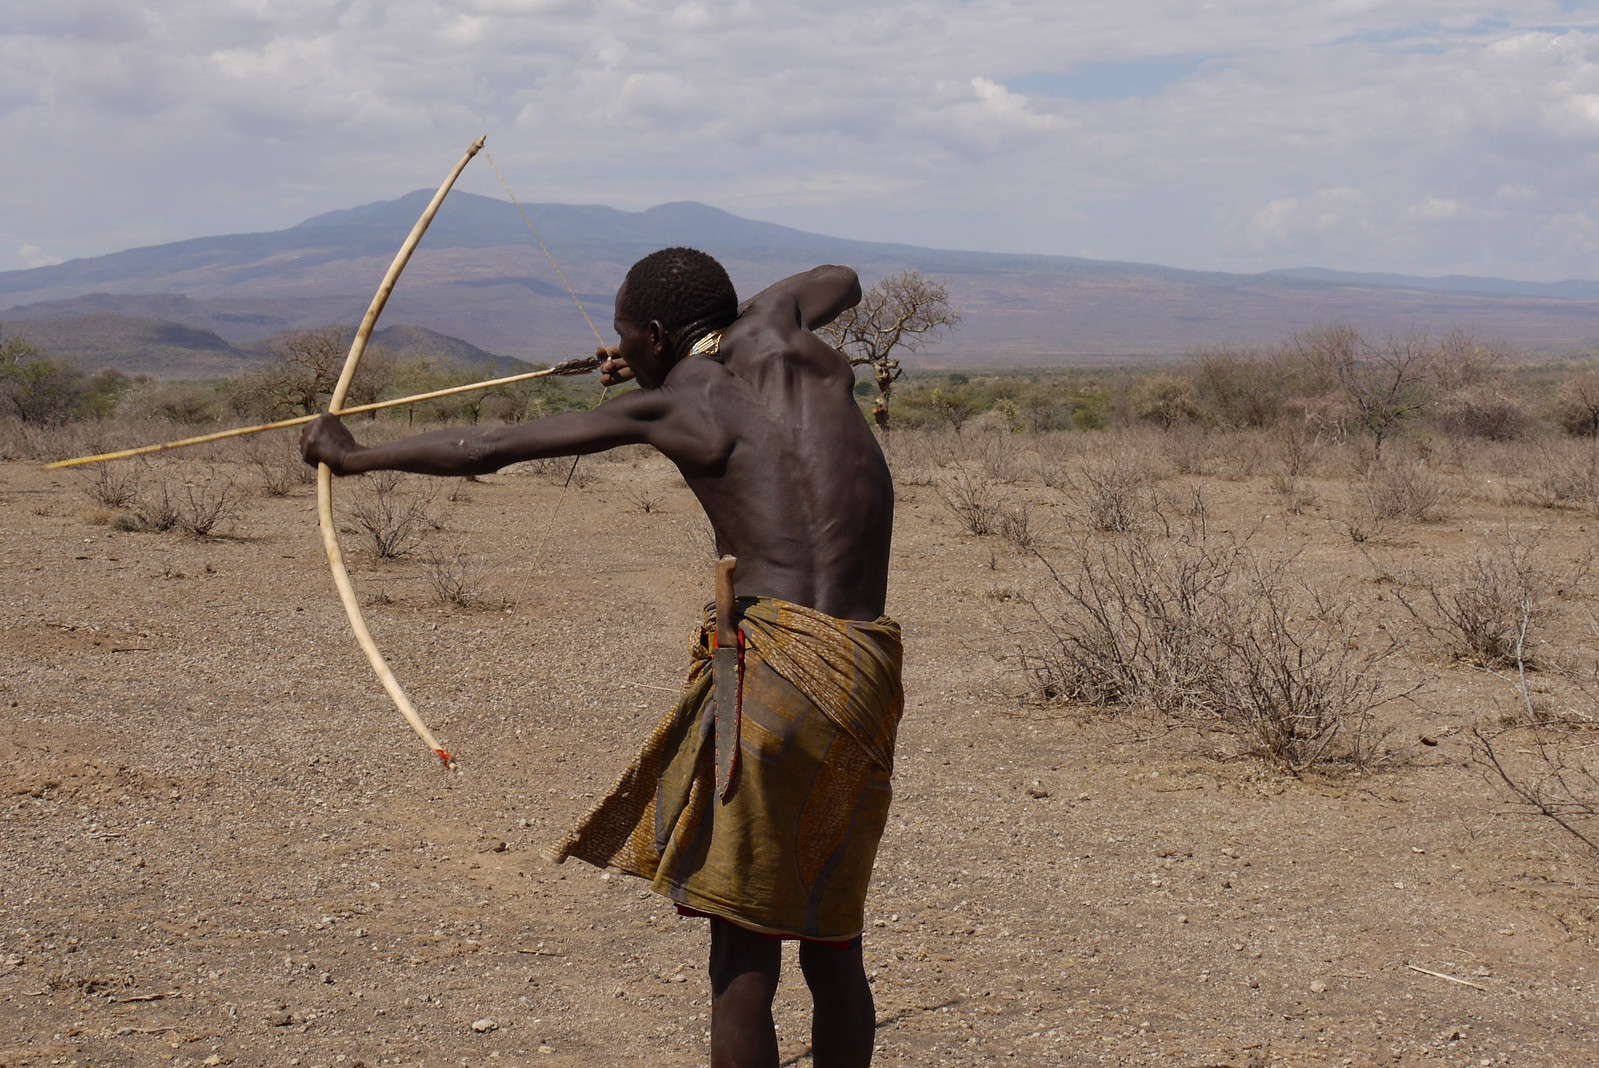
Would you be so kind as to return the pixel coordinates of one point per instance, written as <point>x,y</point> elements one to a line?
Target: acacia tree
<point>306,365</point>
<point>896,315</point>
<point>35,389</point>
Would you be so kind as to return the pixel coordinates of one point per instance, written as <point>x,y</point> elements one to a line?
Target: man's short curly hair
<point>684,289</point>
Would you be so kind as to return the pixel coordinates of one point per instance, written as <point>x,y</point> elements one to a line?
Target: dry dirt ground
<point>219,844</point>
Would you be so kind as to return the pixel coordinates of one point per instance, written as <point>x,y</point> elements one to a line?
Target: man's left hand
<point>325,440</point>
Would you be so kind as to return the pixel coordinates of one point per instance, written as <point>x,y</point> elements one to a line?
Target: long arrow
<point>579,366</point>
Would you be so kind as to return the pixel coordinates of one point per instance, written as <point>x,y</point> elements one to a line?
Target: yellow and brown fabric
<point>790,850</point>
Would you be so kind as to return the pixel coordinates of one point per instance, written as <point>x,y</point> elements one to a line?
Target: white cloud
<point>1436,209</point>
<point>1286,222</point>
<point>1358,135</point>
<point>34,256</point>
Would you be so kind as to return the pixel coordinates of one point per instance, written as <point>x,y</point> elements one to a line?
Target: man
<point>759,416</point>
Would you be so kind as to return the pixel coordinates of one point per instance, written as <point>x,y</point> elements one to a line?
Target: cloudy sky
<point>1422,136</point>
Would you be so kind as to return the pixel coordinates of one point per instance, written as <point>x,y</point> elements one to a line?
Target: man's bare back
<point>766,433</point>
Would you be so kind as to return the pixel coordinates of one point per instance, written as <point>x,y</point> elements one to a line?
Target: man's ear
<point>658,338</point>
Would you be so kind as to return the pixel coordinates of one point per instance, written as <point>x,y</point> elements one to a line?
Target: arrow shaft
<point>570,367</point>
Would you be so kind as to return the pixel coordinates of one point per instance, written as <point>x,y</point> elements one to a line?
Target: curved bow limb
<point>324,474</point>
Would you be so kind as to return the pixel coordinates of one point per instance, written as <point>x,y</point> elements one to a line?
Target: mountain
<point>414,342</point>
<point>1570,289</point>
<point>167,349</point>
<point>138,345</point>
<point>480,278</point>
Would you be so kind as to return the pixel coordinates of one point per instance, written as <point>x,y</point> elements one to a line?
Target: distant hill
<point>1570,289</point>
<point>166,349</point>
<point>412,342</point>
<point>479,278</point>
<point>156,347</point>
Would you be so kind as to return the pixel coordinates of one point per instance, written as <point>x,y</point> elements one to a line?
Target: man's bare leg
<point>844,1020</point>
<point>744,972</point>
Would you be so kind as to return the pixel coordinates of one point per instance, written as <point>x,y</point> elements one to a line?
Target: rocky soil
<point>219,844</point>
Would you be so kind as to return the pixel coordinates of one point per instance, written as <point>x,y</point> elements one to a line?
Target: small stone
<point>279,1019</point>
<point>212,1061</point>
<point>1318,987</point>
<point>1182,918</point>
<point>678,977</point>
<point>546,1049</point>
<point>484,1025</point>
<point>1036,791</point>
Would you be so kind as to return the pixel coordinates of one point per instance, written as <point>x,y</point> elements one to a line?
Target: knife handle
<point>726,631</point>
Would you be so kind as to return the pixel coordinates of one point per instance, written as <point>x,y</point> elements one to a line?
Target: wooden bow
<point>324,474</point>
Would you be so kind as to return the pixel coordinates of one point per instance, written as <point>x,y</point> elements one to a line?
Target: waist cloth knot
<point>789,851</point>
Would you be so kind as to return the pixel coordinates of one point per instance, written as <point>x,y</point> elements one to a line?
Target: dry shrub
<point>646,499</point>
<point>1484,611</point>
<point>1566,475</point>
<point>394,515</point>
<point>1112,493</point>
<point>916,456</point>
<point>209,507</point>
<point>998,454</point>
<point>1554,780</point>
<point>1016,526</point>
<point>154,511</point>
<point>702,536</point>
<point>560,471</point>
<point>1298,691</point>
<point>971,499</point>
<point>1191,450</point>
<point>1481,411</point>
<point>46,444</point>
<point>1293,494</point>
<point>277,464</point>
<point>1245,453</point>
<point>114,484</point>
<point>1298,445</point>
<point>1196,626</point>
<point>455,577</point>
<point>1134,620</point>
<point>1407,490</point>
<point>907,458</point>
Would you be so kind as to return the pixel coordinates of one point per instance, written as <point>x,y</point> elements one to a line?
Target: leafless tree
<point>898,314</point>
<point>1462,361</point>
<point>306,365</point>
<point>1579,405</point>
<point>1384,385</point>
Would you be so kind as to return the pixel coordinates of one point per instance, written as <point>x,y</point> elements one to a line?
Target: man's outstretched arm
<point>628,420</point>
<point>820,295</point>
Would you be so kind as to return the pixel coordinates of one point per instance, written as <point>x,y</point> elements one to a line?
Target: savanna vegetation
<point>1149,505</point>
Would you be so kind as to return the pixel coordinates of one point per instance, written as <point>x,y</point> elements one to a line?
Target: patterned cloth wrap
<point>790,851</point>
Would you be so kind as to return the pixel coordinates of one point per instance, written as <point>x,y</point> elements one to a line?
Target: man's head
<point>670,299</point>
<point>683,289</point>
